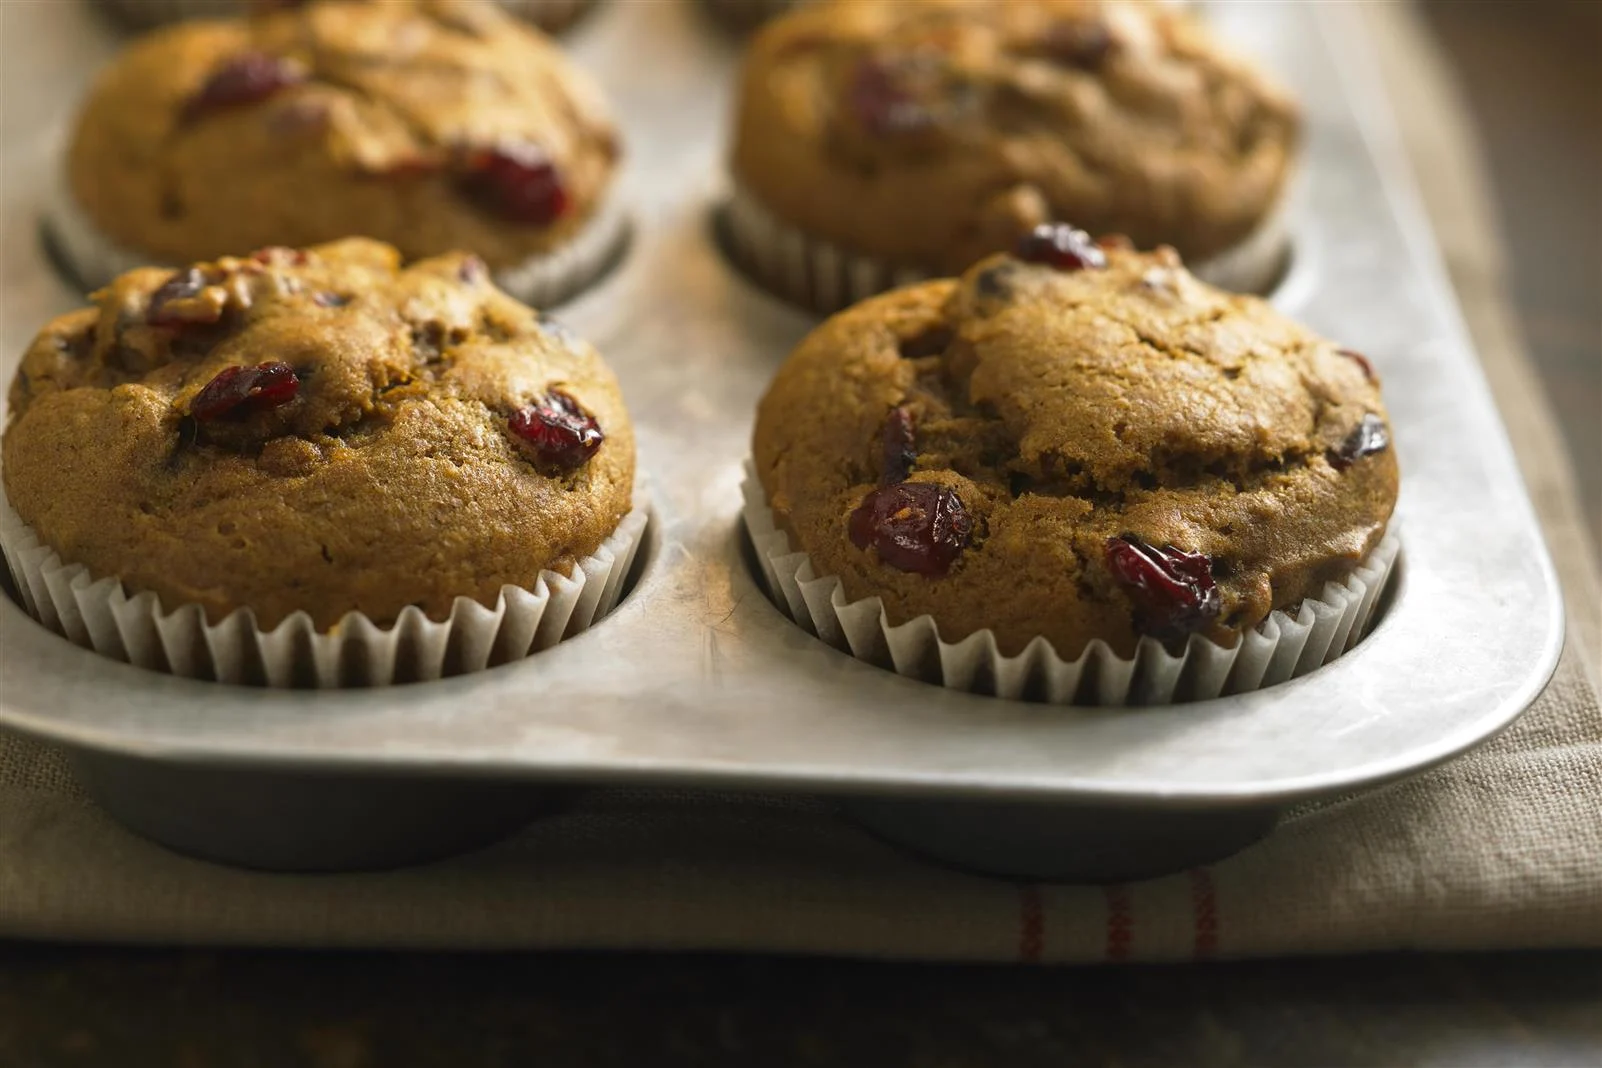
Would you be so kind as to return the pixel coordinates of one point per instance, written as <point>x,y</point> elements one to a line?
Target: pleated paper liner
<point>552,16</point>
<point>100,614</point>
<point>1285,645</point>
<point>92,259</point>
<point>824,277</point>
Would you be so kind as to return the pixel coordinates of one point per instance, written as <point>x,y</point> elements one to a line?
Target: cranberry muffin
<point>321,432</point>
<point>426,125</point>
<point>1077,443</point>
<point>552,16</point>
<point>877,141</point>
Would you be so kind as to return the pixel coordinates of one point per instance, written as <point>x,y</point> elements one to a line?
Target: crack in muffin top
<point>429,124</point>
<point>320,430</point>
<point>1077,454</point>
<point>930,134</point>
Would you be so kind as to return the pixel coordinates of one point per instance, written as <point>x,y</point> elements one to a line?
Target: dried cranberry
<point>916,526</point>
<point>1082,43</point>
<point>239,391</point>
<point>183,285</point>
<point>1369,436</point>
<point>562,434</point>
<point>884,102</point>
<point>900,445</point>
<point>517,182</point>
<point>1173,590</point>
<point>1061,246</point>
<point>1361,360</point>
<point>247,78</point>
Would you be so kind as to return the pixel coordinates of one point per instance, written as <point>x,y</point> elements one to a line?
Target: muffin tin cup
<point>93,259</point>
<point>101,615</point>
<point>552,16</point>
<point>825,278</point>
<point>1282,647</point>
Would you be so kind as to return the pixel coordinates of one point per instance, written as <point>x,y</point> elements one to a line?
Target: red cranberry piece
<point>883,101</point>
<point>1082,43</point>
<point>181,286</point>
<point>1362,361</point>
<point>900,445</point>
<point>240,391</point>
<point>562,434</point>
<point>516,182</point>
<point>1173,590</point>
<point>1369,436</point>
<point>1061,246</point>
<point>247,78</point>
<point>916,526</point>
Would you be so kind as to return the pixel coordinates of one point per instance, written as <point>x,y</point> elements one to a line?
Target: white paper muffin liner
<point>99,614</point>
<point>550,15</point>
<point>825,278</point>
<point>542,281</point>
<point>1282,647</point>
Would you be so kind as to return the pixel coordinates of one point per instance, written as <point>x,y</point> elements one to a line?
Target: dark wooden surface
<point>1532,79</point>
<point>232,1010</point>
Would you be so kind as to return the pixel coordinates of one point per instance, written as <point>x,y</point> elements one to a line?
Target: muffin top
<point>930,134</point>
<point>430,124</point>
<point>1083,443</point>
<point>318,430</point>
<point>551,17</point>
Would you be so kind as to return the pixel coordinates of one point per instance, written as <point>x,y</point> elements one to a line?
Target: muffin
<point>877,142</point>
<point>322,450</point>
<point>1079,447</point>
<point>431,127</point>
<point>745,15</point>
<point>552,16</point>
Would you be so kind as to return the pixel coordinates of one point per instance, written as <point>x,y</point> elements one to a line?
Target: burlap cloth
<point>1502,848</point>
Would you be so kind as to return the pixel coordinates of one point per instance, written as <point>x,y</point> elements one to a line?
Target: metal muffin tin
<point>697,681</point>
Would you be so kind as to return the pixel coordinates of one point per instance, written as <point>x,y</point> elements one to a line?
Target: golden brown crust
<point>372,141</point>
<point>1011,114</point>
<point>390,479</point>
<point>1068,409</point>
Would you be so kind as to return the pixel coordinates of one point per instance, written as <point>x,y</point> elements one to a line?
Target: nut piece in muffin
<point>427,125</point>
<point>320,431</point>
<point>1077,442</point>
<point>923,136</point>
<point>552,16</point>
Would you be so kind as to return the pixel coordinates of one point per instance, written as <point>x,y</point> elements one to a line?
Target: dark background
<point>1531,74</point>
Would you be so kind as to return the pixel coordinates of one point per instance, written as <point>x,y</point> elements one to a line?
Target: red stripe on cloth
<point>1031,924</point>
<point>1204,902</point>
<point>1120,921</point>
